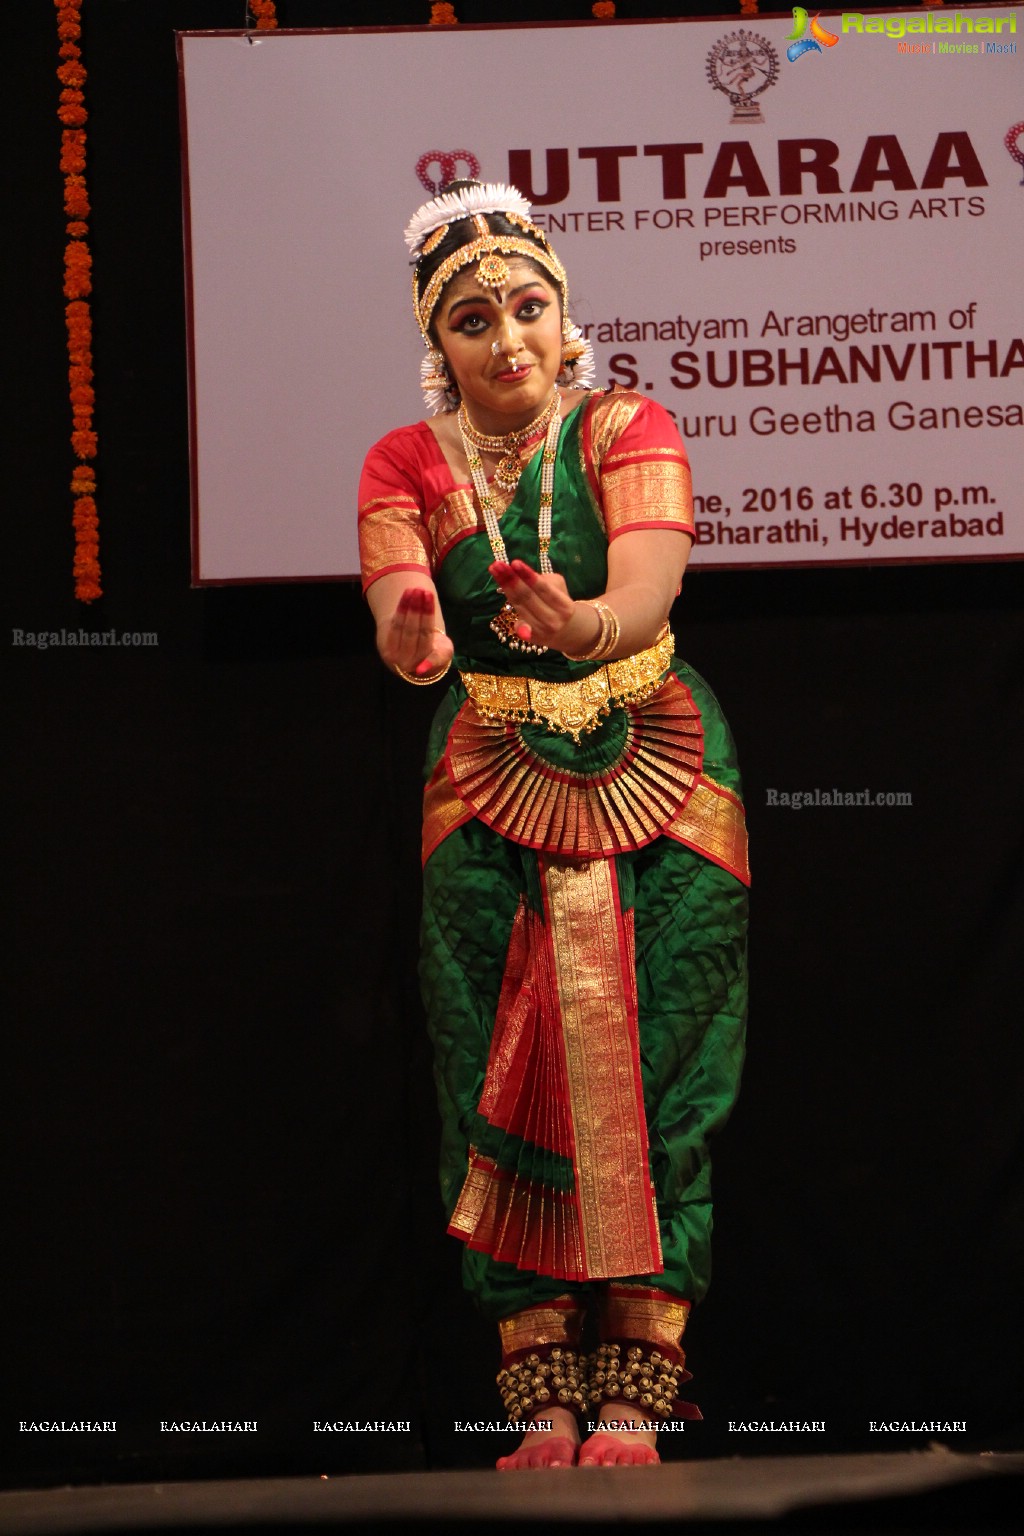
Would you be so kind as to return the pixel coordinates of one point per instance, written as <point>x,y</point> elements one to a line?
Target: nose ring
<point>496,351</point>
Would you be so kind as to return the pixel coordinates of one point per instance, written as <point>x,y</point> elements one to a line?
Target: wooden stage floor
<point>927,1491</point>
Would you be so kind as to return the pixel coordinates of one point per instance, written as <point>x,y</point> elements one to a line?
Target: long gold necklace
<point>474,442</point>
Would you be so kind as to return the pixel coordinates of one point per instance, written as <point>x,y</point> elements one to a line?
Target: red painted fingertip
<point>524,631</point>
<point>423,667</point>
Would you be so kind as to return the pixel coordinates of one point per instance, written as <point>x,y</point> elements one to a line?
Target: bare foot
<point>554,1447</point>
<point>622,1440</point>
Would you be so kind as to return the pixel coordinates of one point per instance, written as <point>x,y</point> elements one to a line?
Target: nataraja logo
<point>800,45</point>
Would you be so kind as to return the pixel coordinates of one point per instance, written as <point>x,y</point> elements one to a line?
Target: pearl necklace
<point>506,621</point>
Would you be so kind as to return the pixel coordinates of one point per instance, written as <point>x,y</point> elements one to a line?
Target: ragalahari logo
<point>799,44</point>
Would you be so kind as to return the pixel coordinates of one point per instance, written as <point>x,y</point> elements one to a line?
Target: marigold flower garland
<point>443,16</point>
<point>603,10</point>
<point>265,14</point>
<point>749,8</point>
<point>77,287</point>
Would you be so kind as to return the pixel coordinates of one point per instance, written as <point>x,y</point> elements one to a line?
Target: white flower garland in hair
<point>487,197</point>
<point>581,371</point>
<point>438,399</point>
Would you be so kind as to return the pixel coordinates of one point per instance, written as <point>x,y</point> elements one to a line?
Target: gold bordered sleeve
<point>637,465</point>
<point>393,535</point>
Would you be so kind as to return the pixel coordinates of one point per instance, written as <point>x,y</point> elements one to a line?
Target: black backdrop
<point>219,1190</point>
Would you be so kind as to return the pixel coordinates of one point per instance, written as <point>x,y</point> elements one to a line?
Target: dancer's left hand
<point>548,615</point>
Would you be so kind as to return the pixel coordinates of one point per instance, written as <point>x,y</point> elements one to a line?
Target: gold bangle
<point>613,637</point>
<point>423,682</point>
<point>607,637</point>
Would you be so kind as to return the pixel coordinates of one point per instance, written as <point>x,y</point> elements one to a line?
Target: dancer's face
<point>483,332</point>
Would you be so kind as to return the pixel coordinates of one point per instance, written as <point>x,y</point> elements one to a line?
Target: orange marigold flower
<point>82,394</point>
<point>84,443</point>
<point>76,284</point>
<point>76,197</point>
<point>77,254</point>
<point>73,116</point>
<point>748,8</point>
<point>443,16</point>
<point>79,373</point>
<point>603,9</point>
<point>83,480</point>
<point>69,50</point>
<point>72,74</point>
<point>85,507</point>
<point>76,227</point>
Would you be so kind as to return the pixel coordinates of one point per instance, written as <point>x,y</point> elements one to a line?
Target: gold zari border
<point>452,519</point>
<point>391,533</point>
<point>647,492</point>
<point>571,708</point>
<point>596,1000</point>
<point>713,822</point>
<point>655,1320</point>
<point>443,811</point>
<point>609,418</point>
<point>540,1327</point>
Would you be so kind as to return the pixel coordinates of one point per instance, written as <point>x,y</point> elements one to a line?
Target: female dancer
<point>584,845</point>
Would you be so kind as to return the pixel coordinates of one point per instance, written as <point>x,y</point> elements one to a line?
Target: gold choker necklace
<point>509,445</point>
<point>506,620</point>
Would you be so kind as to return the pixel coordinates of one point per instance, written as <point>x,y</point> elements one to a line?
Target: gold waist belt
<point>575,707</point>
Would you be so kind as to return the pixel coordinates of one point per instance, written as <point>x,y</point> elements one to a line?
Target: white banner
<point>802,237</point>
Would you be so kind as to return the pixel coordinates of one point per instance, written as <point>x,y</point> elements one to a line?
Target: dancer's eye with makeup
<point>532,309</point>
<point>470,324</point>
